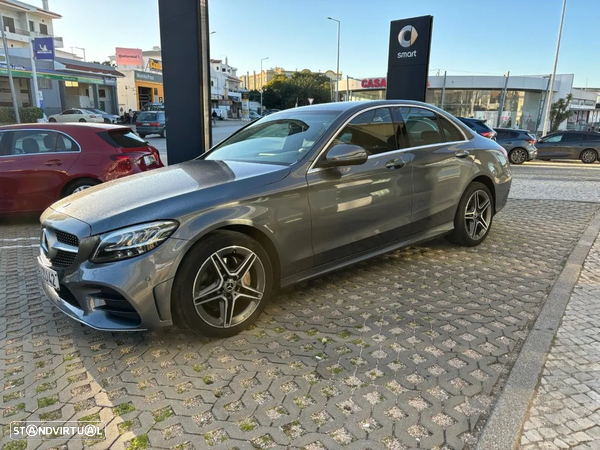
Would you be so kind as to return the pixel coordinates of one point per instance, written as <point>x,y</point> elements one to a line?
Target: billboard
<point>155,64</point>
<point>43,48</point>
<point>408,62</point>
<point>129,56</point>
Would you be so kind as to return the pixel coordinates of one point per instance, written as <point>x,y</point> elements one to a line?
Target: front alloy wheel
<point>229,287</point>
<point>589,156</point>
<point>222,285</point>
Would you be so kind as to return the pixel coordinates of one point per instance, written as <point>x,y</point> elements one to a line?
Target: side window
<point>34,142</point>
<point>67,111</point>
<point>593,137</point>
<point>554,138</point>
<point>572,137</point>
<point>161,116</point>
<point>372,130</point>
<point>501,134</point>
<point>422,126</point>
<point>451,132</point>
<point>514,135</point>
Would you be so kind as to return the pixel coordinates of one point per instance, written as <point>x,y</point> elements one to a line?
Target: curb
<point>503,428</point>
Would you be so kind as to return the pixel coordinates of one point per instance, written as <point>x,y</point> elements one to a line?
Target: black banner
<point>408,62</point>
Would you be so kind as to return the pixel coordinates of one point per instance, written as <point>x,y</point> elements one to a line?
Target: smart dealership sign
<point>408,61</point>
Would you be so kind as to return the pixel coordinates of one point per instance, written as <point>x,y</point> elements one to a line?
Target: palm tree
<point>559,112</point>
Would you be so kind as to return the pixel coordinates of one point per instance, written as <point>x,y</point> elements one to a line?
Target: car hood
<point>167,193</point>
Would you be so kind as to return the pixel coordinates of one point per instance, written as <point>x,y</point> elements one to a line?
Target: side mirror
<point>344,155</point>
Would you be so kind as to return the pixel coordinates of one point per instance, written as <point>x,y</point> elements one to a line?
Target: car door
<point>34,168</point>
<point>358,208</point>
<point>65,116</point>
<point>573,144</point>
<point>442,164</point>
<point>551,146</point>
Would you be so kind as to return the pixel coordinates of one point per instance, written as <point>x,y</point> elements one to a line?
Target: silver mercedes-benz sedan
<point>204,244</point>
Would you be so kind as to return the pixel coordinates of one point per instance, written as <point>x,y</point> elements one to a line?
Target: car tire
<point>518,155</point>
<point>472,215</point>
<point>51,119</point>
<point>82,120</point>
<point>164,133</point>
<point>202,275</point>
<point>79,185</point>
<point>589,156</point>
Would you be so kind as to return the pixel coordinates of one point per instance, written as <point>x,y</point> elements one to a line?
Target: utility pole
<point>503,99</point>
<point>347,88</point>
<point>551,90</point>
<point>10,77</point>
<point>337,70</point>
<point>261,84</point>
<point>34,81</point>
<point>444,91</point>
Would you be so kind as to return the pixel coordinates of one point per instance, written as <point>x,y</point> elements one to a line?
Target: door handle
<point>395,164</point>
<point>53,162</point>
<point>461,153</point>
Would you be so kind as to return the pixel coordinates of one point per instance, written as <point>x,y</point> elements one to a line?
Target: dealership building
<point>481,96</point>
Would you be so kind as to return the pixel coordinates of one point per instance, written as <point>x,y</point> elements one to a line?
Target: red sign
<point>129,57</point>
<point>374,83</point>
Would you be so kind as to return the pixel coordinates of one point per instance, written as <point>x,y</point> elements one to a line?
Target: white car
<point>77,115</point>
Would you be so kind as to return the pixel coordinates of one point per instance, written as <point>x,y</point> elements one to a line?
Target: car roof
<point>512,129</point>
<point>64,126</point>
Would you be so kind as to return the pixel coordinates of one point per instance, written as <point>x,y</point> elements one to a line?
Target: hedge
<point>27,115</point>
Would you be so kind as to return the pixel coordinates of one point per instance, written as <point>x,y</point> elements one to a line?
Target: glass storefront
<point>521,108</point>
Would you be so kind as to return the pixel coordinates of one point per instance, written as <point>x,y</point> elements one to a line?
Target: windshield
<point>282,138</point>
<point>146,116</point>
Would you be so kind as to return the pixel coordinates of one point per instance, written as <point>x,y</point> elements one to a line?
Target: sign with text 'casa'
<point>129,57</point>
<point>408,61</point>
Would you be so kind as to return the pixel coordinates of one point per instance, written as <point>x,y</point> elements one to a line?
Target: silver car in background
<point>294,195</point>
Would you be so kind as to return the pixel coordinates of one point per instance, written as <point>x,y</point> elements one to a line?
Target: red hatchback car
<point>41,163</point>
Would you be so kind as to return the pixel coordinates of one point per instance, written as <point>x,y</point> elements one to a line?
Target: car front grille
<point>67,238</point>
<point>63,259</point>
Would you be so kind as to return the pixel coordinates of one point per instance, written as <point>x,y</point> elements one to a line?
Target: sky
<point>469,36</point>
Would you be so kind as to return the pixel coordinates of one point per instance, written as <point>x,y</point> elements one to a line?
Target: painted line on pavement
<point>19,239</point>
<point>7,247</point>
<point>503,428</point>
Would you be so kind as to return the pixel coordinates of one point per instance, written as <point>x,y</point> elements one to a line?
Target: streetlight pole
<point>261,84</point>
<point>551,89</point>
<point>337,70</point>
<point>10,77</point>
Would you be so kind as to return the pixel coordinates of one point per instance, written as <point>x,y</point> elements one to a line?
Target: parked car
<point>151,122</point>
<point>254,115</point>
<point>108,118</point>
<point>479,126</point>
<point>583,145</point>
<point>42,163</point>
<point>219,112</point>
<point>270,111</point>
<point>76,115</point>
<point>520,144</point>
<point>286,198</point>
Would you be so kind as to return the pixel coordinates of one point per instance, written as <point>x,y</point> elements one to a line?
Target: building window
<point>44,83</point>
<point>155,91</point>
<point>9,23</point>
<point>87,92</point>
<point>102,92</point>
<point>31,25</point>
<point>43,29</point>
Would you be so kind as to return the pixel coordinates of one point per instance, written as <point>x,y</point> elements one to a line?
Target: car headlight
<point>132,241</point>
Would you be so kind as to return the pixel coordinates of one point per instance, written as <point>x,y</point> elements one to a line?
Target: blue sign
<point>109,81</point>
<point>43,48</point>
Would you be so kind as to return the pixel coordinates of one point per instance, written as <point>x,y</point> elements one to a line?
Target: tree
<point>283,92</point>
<point>254,95</point>
<point>559,112</point>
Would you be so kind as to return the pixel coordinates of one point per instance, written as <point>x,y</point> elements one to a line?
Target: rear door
<point>573,144</point>
<point>441,164</point>
<point>34,168</point>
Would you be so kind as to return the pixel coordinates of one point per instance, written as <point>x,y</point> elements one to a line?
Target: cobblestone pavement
<point>566,410</point>
<point>406,350</point>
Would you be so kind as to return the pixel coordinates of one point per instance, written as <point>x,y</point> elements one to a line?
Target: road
<point>220,131</point>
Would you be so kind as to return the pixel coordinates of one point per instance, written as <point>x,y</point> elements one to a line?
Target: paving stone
<point>408,349</point>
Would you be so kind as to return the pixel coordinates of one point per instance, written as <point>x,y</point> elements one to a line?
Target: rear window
<point>482,123</point>
<point>146,116</point>
<point>124,138</point>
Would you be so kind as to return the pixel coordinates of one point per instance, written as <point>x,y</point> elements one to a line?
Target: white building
<point>225,88</point>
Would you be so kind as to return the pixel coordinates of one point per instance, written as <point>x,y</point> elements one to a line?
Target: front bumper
<point>128,295</point>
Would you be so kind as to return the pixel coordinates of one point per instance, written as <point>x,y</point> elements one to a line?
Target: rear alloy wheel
<point>474,216</point>
<point>82,120</point>
<point>80,185</point>
<point>589,156</point>
<point>518,156</point>
<point>223,286</point>
<point>51,119</point>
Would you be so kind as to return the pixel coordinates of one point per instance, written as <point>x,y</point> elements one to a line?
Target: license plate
<point>50,277</point>
<point>149,160</point>
<point>145,124</point>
